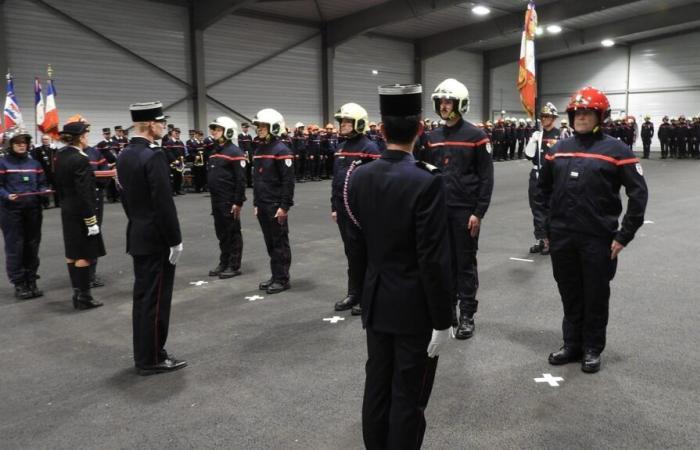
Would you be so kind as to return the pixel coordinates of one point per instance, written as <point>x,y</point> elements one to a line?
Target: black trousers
<point>399,380</point>
<point>511,149</point>
<point>646,144</point>
<point>300,165</point>
<point>313,165</point>
<point>537,206</point>
<point>112,191</point>
<point>277,242</point>
<point>665,147</point>
<point>199,174</point>
<point>583,271</point>
<point>228,232</point>
<point>521,148</point>
<point>344,224</point>
<point>464,267</point>
<point>21,228</point>
<point>153,292</point>
<point>177,180</point>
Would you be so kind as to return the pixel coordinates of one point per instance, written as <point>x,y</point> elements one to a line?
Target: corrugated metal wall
<point>289,82</point>
<point>463,66</point>
<point>504,93</point>
<point>92,77</point>
<point>353,65</point>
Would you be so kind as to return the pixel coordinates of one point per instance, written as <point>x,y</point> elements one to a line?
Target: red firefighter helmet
<point>589,98</point>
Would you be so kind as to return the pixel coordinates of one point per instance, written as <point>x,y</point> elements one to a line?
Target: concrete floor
<point>272,374</point>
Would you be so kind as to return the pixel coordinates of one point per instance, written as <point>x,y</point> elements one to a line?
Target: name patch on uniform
<point>288,162</point>
<point>639,169</point>
<point>573,175</point>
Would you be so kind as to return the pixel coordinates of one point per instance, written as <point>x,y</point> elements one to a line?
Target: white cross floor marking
<point>334,319</point>
<point>198,283</point>
<point>252,298</point>
<point>548,378</point>
<point>522,260</point>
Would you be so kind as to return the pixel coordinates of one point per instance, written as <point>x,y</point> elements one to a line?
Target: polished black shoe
<point>276,287</point>
<point>216,272</point>
<point>591,361</point>
<point>169,364</point>
<point>36,292</point>
<point>356,310</point>
<point>265,284</point>
<point>96,282</point>
<point>565,355</point>
<point>465,330</point>
<point>75,298</point>
<point>537,248</point>
<point>346,303</point>
<point>229,272</point>
<point>85,301</point>
<point>22,291</point>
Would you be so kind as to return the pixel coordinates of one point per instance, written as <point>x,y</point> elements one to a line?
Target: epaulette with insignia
<point>153,146</point>
<point>429,167</point>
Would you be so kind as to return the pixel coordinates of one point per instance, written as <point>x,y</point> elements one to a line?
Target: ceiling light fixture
<point>481,10</point>
<point>607,42</point>
<point>554,29</point>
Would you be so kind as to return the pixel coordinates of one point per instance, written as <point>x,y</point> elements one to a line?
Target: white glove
<point>93,230</point>
<point>175,252</point>
<point>440,337</point>
<point>531,148</point>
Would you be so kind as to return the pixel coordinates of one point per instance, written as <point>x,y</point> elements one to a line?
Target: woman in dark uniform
<point>75,182</point>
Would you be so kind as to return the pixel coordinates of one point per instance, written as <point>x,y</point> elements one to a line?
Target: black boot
<point>75,298</point>
<point>36,292</point>
<point>217,271</point>
<point>229,272</point>
<point>565,355</point>
<point>537,248</point>
<point>84,300</point>
<point>22,291</point>
<point>591,361</point>
<point>265,284</point>
<point>346,303</point>
<point>356,310</point>
<point>276,287</point>
<point>465,330</point>
<point>95,281</point>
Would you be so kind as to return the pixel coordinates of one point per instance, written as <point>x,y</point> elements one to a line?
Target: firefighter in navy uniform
<point>401,255</point>
<point>329,145</point>
<point>460,151</point>
<point>119,141</point>
<point>313,152</point>
<point>673,138</point>
<point>664,136</point>
<point>98,163</point>
<point>647,134</point>
<point>581,179</point>
<point>245,143</point>
<point>696,137</point>
<point>227,183</point>
<point>273,196</point>
<point>196,155</point>
<point>45,154</point>
<point>175,150</point>
<point>521,135</point>
<point>353,120</point>
<point>82,237</point>
<point>299,147</point>
<point>21,215</point>
<point>153,237</point>
<point>541,142</point>
<point>498,140</point>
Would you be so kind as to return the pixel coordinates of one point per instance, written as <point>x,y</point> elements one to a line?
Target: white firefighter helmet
<point>452,89</point>
<point>356,113</point>
<point>272,118</point>
<point>13,133</point>
<point>299,125</point>
<point>564,121</point>
<point>228,124</point>
<point>528,120</point>
<point>549,110</point>
<point>521,121</point>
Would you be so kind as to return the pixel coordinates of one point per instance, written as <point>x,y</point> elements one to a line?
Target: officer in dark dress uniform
<point>299,147</point>
<point>647,135</point>
<point>581,179</point>
<point>498,140</point>
<point>21,178</point>
<point>82,237</point>
<point>352,119</point>
<point>399,250</point>
<point>664,137</point>
<point>273,196</point>
<point>541,142</point>
<point>45,154</point>
<point>460,151</point>
<point>313,153</point>
<point>227,178</point>
<point>245,143</point>
<point>153,237</point>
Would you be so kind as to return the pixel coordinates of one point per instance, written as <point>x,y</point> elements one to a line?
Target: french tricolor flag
<point>38,102</point>
<point>50,123</point>
<point>12,113</point>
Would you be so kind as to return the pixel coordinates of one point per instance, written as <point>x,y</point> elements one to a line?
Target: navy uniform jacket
<point>399,246</point>
<point>226,177</point>
<point>581,180</point>
<point>118,143</point>
<point>147,198</point>
<point>98,162</point>
<point>299,143</point>
<point>647,131</point>
<point>460,152</point>
<point>359,147</point>
<point>75,183</point>
<point>273,175</point>
<point>313,144</point>
<point>19,175</point>
<point>329,144</point>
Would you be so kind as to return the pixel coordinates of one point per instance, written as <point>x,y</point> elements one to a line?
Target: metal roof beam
<point>445,41</point>
<point>208,12</point>
<point>346,27</point>
<point>582,40</point>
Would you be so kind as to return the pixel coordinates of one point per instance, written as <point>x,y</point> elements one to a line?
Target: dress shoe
<point>169,364</point>
<point>265,284</point>
<point>229,272</point>
<point>537,248</point>
<point>591,361</point>
<point>85,301</point>
<point>565,355</point>
<point>36,292</point>
<point>356,310</point>
<point>276,287</point>
<point>96,282</point>
<point>346,303</point>
<point>22,291</point>
<point>216,272</point>
<point>465,330</point>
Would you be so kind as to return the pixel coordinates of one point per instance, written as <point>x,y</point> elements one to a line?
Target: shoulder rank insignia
<point>429,167</point>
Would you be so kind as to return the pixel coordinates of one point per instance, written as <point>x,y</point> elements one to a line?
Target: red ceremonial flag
<point>527,80</point>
